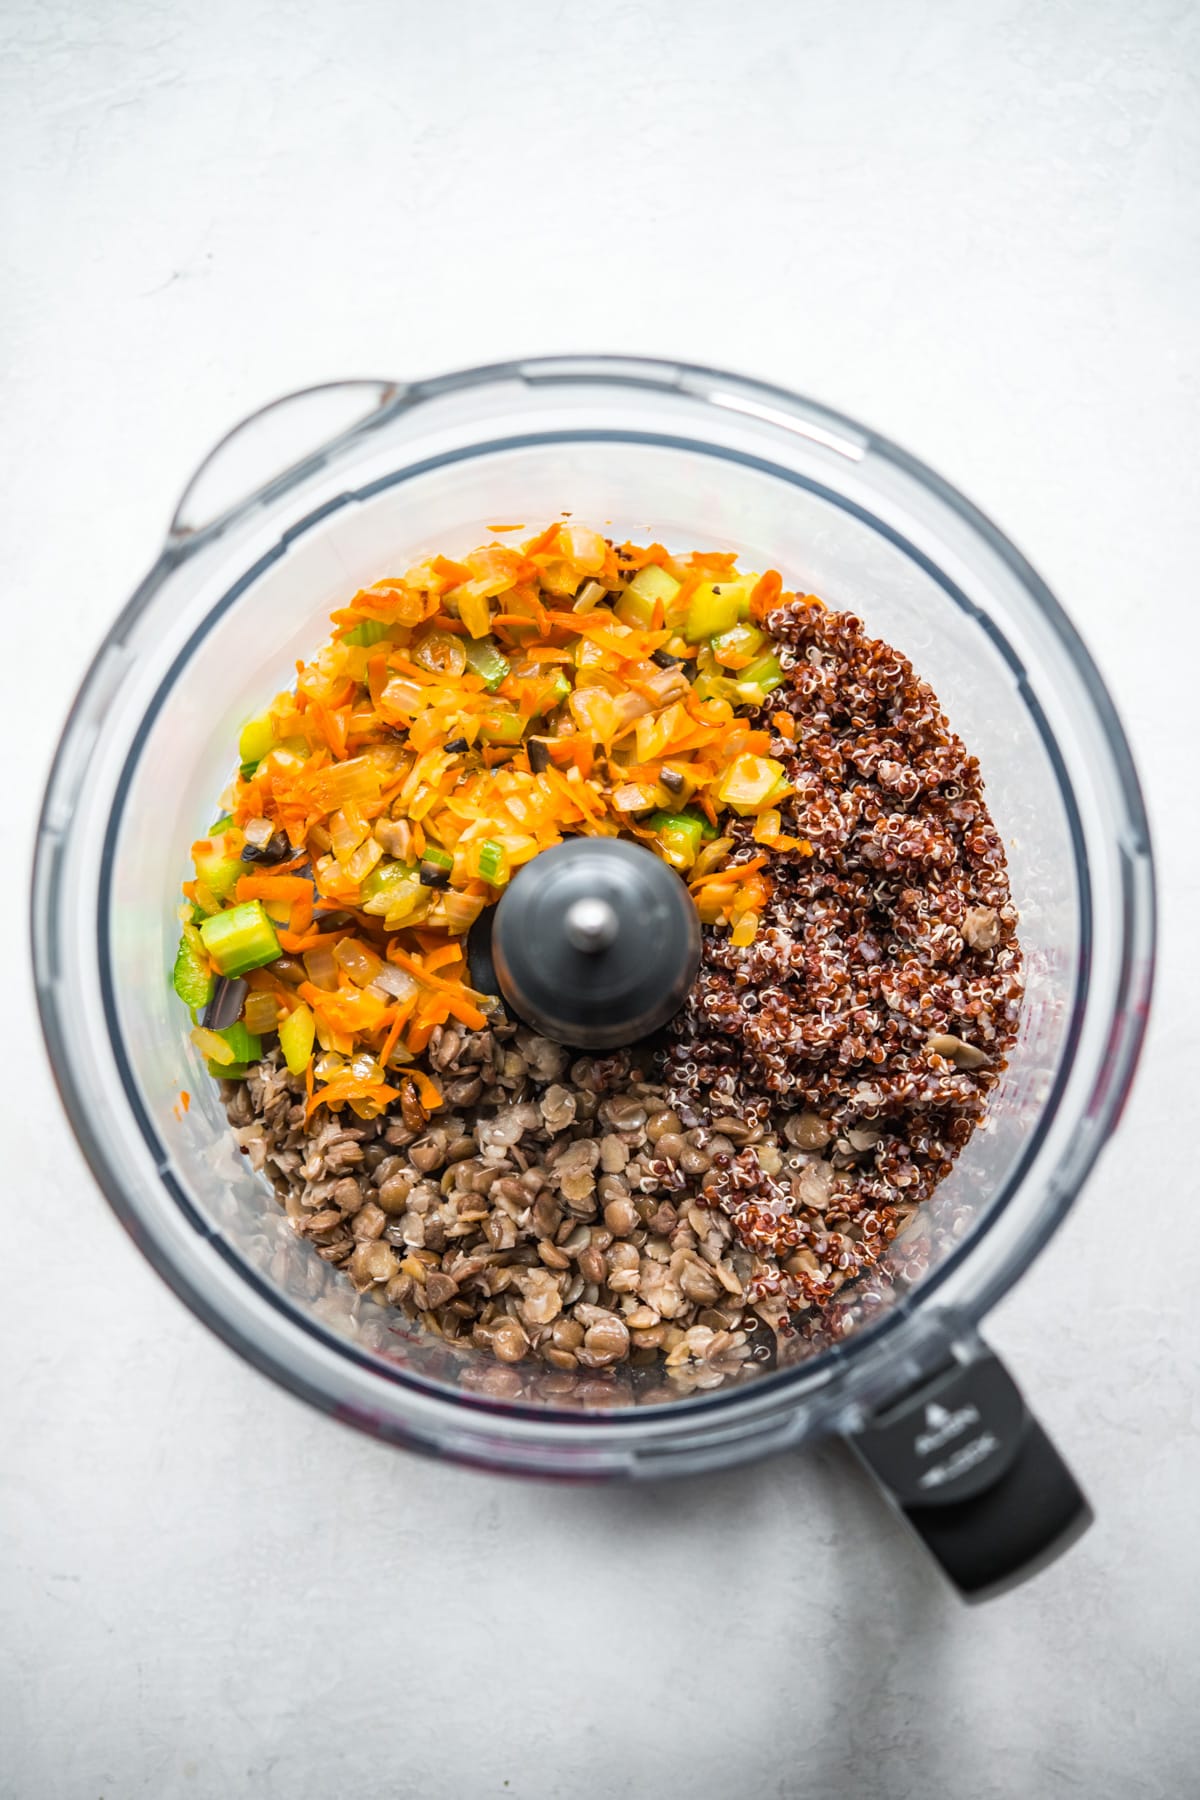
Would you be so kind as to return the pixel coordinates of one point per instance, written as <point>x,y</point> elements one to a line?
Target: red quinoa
<point>897,932</point>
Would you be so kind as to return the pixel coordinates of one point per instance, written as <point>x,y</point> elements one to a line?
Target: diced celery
<point>763,676</point>
<point>475,613</point>
<point>590,597</point>
<point>750,781</point>
<point>241,939</point>
<point>435,868</point>
<point>680,835</point>
<point>717,687</point>
<point>636,605</point>
<point>296,1035</point>
<point>257,737</point>
<point>191,977</point>
<point>713,608</point>
<point>371,631</point>
<point>731,648</point>
<point>492,863</point>
<point>218,872</point>
<point>504,726</point>
<point>220,825</point>
<point>557,691</point>
<point>485,657</point>
<point>636,608</point>
<point>246,1047</point>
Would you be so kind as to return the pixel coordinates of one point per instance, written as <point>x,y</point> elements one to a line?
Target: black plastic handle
<point>972,1471</point>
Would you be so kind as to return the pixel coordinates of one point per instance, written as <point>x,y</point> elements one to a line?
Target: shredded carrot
<point>428,1092</point>
<point>273,887</point>
<point>731,874</point>
<point>765,592</point>
<point>461,999</point>
<point>556,716</point>
<point>295,946</point>
<point>443,954</point>
<point>392,1038</point>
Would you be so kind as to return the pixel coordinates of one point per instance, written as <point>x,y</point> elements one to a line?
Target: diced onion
<point>322,969</point>
<point>396,984</point>
<point>359,961</point>
<point>261,1014</point>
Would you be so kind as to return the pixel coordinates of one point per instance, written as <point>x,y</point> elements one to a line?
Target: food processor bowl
<point>264,543</point>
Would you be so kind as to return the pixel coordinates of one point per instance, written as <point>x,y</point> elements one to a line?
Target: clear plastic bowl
<point>697,459</point>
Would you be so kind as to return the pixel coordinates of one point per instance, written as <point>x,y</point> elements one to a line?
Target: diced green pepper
<point>246,1047</point>
<point>393,892</point>
<point>409,903</point>
<point>680,835</point>
<point>241,939</point>
<point>296,1035</point>
<point>504,726</point>
<point>236,1071</point>
<point>732,647</point>
<point>485,657</point>
<point>191,977</point>
<point>370,631</point>
<point>763,676</point>
<point>650,585</point>
<point>257,737</point>
<point>492,863</point>
<point>218,872</point>
<point>384,886</point>
<point>713,608</point>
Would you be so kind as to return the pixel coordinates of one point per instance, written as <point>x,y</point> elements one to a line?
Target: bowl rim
<point>784,1389</point>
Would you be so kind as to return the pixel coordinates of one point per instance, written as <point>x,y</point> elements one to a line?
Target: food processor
<point>327,490</point>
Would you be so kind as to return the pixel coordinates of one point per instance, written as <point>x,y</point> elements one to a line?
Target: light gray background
<point>977,227</point>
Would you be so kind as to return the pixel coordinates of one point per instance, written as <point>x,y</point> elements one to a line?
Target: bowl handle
<point>970,1469</point>
<point>282,443</point>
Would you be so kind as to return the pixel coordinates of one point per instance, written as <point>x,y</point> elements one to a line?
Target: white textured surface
<point>976,226</point>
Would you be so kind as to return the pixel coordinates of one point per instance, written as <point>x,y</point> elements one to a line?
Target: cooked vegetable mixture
<point>693,1205</point>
